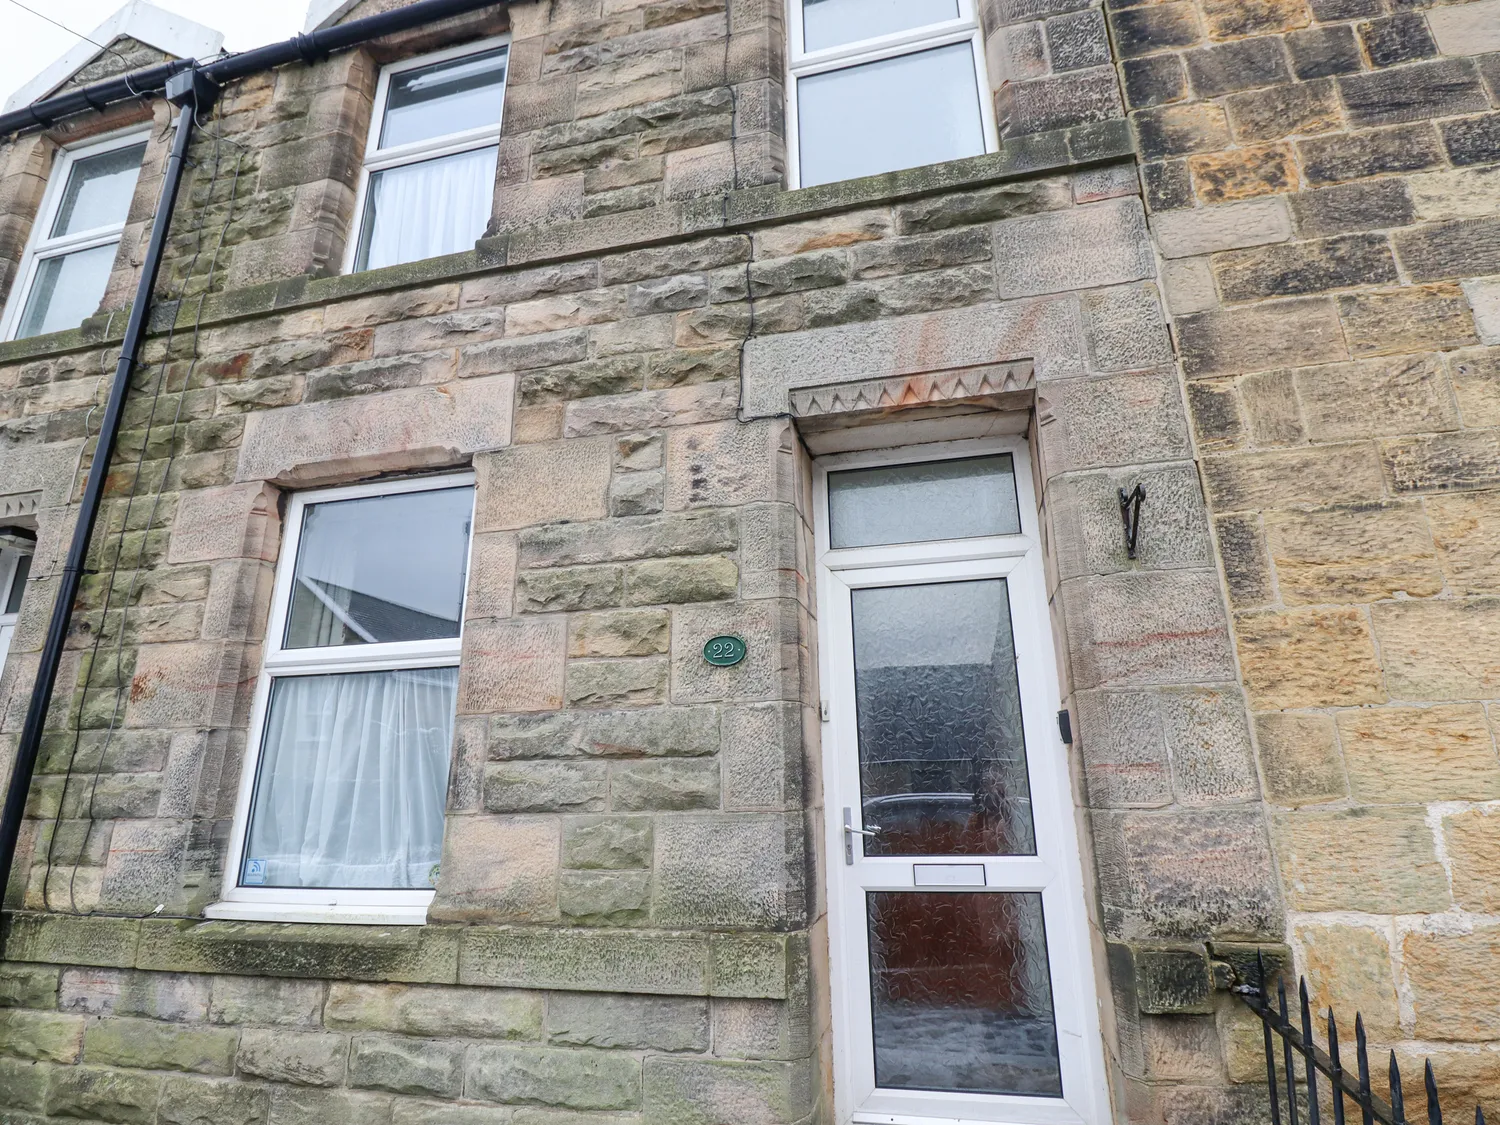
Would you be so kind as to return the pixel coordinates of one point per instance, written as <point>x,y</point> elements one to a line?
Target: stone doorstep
<point>659,962</point>
<point>1019,158</point>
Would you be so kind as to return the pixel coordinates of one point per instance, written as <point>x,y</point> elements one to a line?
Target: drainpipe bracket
<point>192,85</point>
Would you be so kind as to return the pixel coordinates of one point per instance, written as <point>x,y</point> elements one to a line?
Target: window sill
<point>345,914</point>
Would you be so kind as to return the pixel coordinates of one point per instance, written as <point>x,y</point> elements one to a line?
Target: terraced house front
<point>716,562</point>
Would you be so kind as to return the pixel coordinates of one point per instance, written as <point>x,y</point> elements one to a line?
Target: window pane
<point>446,97</point>
<point>930,500</point>
<point>18,585</point>
<point>427,209</point>
<point>961,993</point>
<point>896,113</point>
<point>942,753</point>
<point>67,289</point>
<point>99,191</point>
<point>829,23</point>
<point>352,778</point>
<point>381,568</point>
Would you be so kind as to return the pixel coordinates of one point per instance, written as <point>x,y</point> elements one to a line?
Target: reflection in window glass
<point>942,751</point>
<point>18,585</point>
<point>67,289</point>
<point>99,191</point>
<point>961,993</point>
<point>418,211</point>
<point>831,23</point>
<point>955,499</point>
<point>352,778</point>
<point>381,569</point>
<point>881,116</point>
<point>446,97</point>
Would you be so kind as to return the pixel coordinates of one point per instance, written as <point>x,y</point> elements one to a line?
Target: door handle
<point>850,832</point>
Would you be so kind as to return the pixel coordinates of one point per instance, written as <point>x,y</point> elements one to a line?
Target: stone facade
<point>1281,705</point>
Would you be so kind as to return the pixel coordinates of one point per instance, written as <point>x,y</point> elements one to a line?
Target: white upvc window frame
<point>804,64</point>
<point>10,562</point>
<point>40,247</point>
<point>1055,870</point>
<point>378,159</point>
<point>397,906</point>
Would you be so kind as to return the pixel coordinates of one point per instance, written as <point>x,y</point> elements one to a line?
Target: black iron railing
<point>1343,1087</point>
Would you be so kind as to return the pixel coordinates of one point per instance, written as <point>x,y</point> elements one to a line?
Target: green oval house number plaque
<point>724,651</point>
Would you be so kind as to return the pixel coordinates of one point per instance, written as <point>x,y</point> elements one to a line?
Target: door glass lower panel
<point>961,996</point>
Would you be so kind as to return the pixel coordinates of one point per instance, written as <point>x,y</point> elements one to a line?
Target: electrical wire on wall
<point>117,548</point>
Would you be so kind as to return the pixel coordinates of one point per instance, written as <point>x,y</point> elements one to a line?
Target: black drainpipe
<point>191,87</point>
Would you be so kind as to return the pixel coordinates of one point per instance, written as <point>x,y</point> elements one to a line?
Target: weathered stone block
<point>1336,474</point>
<point>427,1011</point>
<point>304,1058</point>
<point>94,1093</point>
<point>1413,318</point>
<point>626,632</point>
<point>1100,244</point>
<point>1351,156</point>
<point>727,870</point>
<point>1125,329</point>
<point>1352,554</point>
<point>668,784</point>
<point>545,787</point>
<point>1432,650</point>
<point>1124,750</point>
<point>29,986</point>
<point>1472,840</point>
<point>699,1092</point>
<point>1085,511</point>
<point>1399,755</point>
<point>149,1045</point>
<point>1455,249</point>
<point>1208,740</point>
<point>605,898</point>
<point>40,1036</point>
<point>761,757</point>
<point>163,996</point>
<point>1442,970</point>
<point>1173,981</point>
<point>512,666</point>
<point>668,581</point>
<point>1111,420</point>
<point>1439,88</point>
<point>407,1066</point>
<point>720,465</point>
<point>257,1000</point>
<point>497,869</point>
<point>1287,333</point>
<point>633,1022</point>
<point>1466,29</point>
<point>1299,759</point>
<point>607,842</point>
<point>534,484</point>
<point>1308,658</point>
<point>291,1105</point>
<point>570,589</point>
<point>1398,870</point>
<point>573,1079</point>
<point>202,1101</point>
<point>1299,268</point>
<point>1466,529</point>
<point>638,682</point>
<point>1145,628</point>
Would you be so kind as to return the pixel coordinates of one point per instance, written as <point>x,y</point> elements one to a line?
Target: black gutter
<point>300,48</point>
<point>192,88</point>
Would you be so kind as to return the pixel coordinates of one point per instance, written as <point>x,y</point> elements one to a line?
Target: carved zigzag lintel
<point>912,390</point>
<point>19,505</point>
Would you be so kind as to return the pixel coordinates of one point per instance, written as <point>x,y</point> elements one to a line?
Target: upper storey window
<point>73,242</point>
<point>429,175</point>
<point>884,84</point>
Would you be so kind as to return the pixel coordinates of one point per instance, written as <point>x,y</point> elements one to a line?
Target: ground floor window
<point>340,813</point>
<point>15,566</point>
<point>963,987</point>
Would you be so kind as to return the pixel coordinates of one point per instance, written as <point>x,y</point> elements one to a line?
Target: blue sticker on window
<point>255,873</point>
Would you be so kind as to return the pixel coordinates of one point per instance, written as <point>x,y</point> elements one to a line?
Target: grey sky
<point>28,44</point>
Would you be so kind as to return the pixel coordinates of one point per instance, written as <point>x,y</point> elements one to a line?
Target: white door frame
<point>1056,870</point>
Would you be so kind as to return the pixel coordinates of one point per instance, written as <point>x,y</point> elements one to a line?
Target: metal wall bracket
<point>1130,516</point>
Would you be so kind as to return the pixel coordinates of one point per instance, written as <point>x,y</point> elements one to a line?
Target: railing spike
<point>1308,1059</point>
<point>1479,1115</point>
<point>1337,1078</point>
<point>1362,1055</point>
<point>1286,1052</point>
<point>1265,1027</point>
<point>1398,1098</point>
<point>1434,1110</point>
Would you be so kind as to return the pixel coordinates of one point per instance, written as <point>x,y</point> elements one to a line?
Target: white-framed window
<point>880,85</point>
<point>428,183</point>
<point>73,243</point>
<point>342,794</point>
<point>962,982</point>
<point>15,566</point>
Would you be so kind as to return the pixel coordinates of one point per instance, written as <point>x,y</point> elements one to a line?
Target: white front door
<point>962,985</point>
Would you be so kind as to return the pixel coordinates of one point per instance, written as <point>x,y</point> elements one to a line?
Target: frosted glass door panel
<point>99,191</point>
<point>955,499</point>
<point>832,23</point>
<point>915,109</point>
<point>961,993</point>
<point>67,290</point>
<point>942,757</point>
<point>385,568</point>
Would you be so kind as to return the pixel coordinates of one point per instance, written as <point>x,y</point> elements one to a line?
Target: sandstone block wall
<point>1325,199</point>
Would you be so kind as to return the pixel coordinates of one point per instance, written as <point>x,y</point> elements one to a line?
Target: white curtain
<point>424,210</point>
<point>352,780</point>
